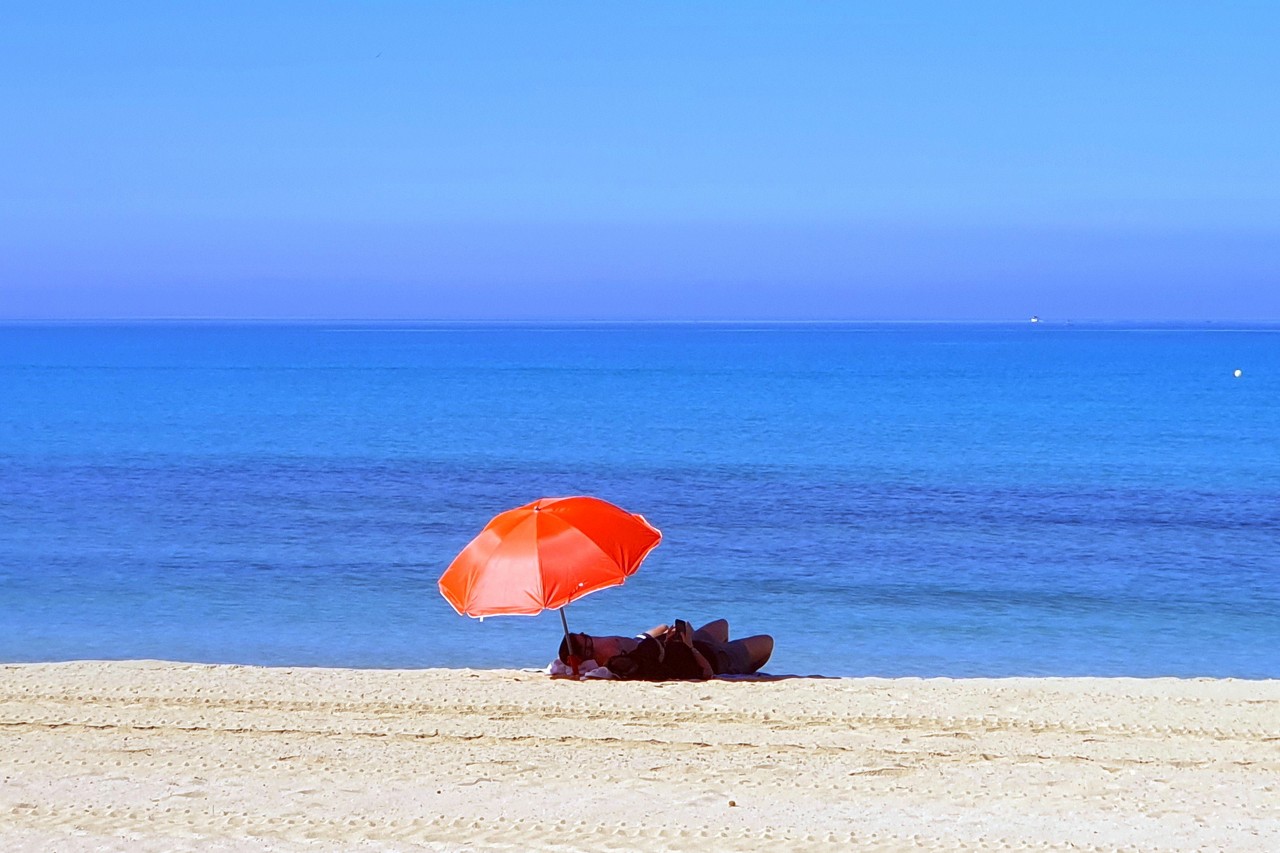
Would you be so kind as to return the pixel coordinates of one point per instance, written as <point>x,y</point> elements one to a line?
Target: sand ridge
<point>167,756</point>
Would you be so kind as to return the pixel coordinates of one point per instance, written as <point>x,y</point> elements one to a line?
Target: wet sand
<point>165,756</point>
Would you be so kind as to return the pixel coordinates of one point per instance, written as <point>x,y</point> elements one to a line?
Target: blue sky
<point>640,161</point>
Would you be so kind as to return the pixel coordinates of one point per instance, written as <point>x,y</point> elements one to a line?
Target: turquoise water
<point>907,499</point>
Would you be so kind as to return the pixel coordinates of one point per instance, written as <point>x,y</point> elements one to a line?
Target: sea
<point>885,499</point>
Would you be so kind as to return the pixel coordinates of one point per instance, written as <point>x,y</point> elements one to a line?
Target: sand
<point>163,756</point>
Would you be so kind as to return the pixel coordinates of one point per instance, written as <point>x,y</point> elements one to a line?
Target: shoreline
<point>175,756</point>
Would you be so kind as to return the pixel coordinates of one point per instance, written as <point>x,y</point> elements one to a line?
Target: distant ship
<point>1035,318</point>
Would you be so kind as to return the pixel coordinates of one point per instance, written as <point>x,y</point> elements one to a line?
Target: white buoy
<point>1238,373</point>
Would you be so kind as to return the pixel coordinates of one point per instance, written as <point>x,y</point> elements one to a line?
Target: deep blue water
<point>885,499</point>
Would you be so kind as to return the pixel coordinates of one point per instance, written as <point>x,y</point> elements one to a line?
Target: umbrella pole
<point>568,644</point>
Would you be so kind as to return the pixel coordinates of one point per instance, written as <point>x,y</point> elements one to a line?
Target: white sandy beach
<point>165,756</point>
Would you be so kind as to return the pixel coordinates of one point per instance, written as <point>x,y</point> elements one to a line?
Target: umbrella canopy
<point>543,555</point>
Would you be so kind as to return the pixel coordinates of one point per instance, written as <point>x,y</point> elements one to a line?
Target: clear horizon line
<point>633,321</point>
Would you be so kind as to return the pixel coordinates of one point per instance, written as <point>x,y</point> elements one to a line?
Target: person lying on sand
<point>667,652</point>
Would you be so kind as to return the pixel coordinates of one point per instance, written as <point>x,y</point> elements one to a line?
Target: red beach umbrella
<point>543,555</point>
